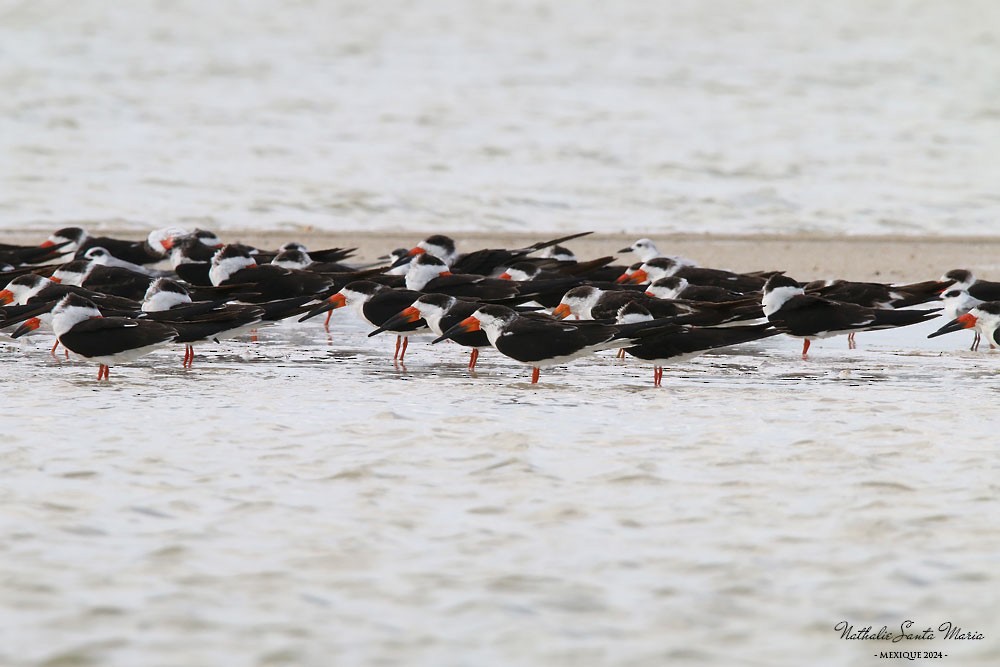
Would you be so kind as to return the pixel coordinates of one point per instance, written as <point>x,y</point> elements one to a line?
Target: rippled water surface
<point>730,116</point>
<point>301,501</point>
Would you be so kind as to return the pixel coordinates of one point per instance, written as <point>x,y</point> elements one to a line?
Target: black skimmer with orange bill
<point>681,342</point>
<point>589,302</point>
<point>540,342</point>
<point>957,303</point>
<point>441,312</point>
<point>665,267</point>
<point>80,327</point>
<point>279,291</point>
<point>32,288</point>
<point>75,240</point>
<point>19,255</point>
<point>168,302</point>
<point>429,274</point>
<point>375,304</point>
<point>793,312</point>
<point>984,318</point>
<point>485,262</point>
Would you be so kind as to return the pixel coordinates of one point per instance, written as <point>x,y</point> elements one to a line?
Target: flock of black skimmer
<point>110,300</point>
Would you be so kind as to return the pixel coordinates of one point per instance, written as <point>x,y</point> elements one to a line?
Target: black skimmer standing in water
<point>793,312</point>
<point>441,312</point>
<point>984,318</point>
<point>168,302</point>
<point>376,304</point>
<point>679,342</point>
<point>541,342</point>
<point>957,303</point>
<point>80,327</point>
<point>876,295</point>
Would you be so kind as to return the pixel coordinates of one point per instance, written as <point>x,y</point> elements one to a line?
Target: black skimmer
<point>798,314</point>
<point>484,262</point>
<point>665,267</point>
<point>430,274</point>
<point>964,279</point>
<point>876,295</point>
<point>957,303</point>
<point>680,342</point>
<point>294,258</point>
<point>102,257</point>
<point>17,255</point>
<point>375,304</point>
<point>113,280</point>
<point>441,312</point>
<point>32,288</point>
<point>589,302</point>
<point>279,291</point>
<point>675,287</point>
<point>540,342</point>
<point>326,256</point>
<point>75,240</point>
<point>80,327</point>
<point>168,302</point>
<point>984,318</point>
<point>647,251</point>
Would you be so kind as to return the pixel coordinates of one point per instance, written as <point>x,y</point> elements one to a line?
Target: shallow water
<point>735,116</point>
<point>301,501</point>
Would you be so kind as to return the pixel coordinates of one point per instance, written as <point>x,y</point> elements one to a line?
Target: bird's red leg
<point>326,324</point>
<point>657,375</point>
<point>805,348</point>
<point>850,341</point>
<point>621,353</point>
<point>535,372</point>
<point>396,353</point>
<point>473,358</point>
<point>253,335</point>
<point>406,340</point>
<point>54,346</point>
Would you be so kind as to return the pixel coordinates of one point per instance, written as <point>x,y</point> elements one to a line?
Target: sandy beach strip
<point>880,258</point>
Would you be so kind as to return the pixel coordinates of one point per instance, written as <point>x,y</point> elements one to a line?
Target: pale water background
<point>301,502</point>
<point>727,116</point>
